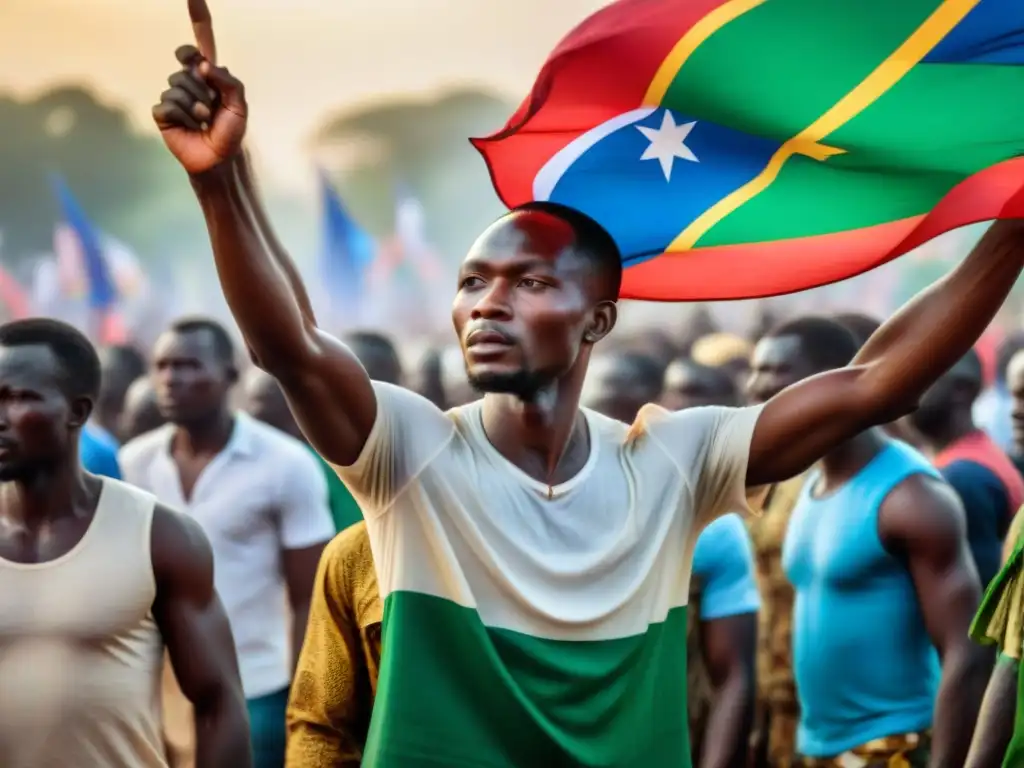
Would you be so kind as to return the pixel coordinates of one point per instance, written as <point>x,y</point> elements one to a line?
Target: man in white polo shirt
<point>259,495</point>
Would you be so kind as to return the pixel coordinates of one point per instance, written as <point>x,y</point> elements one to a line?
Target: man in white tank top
<point>534,557</point>
<point>96,578</point>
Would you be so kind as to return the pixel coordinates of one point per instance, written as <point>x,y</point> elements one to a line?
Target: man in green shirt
<point>999,735</point>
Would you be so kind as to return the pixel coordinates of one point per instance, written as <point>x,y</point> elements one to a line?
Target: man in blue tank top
<point>877,553</point>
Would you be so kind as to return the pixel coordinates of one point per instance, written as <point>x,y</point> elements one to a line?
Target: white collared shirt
<point>264,493</point>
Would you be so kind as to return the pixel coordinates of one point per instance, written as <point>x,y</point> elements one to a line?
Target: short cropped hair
<point>645,367</point>
<point>592,240</point>
<point>79,363</point>
<point>129,363</point>
<point>862,326</point>
<point>223,346</point>
<point>826,343</point>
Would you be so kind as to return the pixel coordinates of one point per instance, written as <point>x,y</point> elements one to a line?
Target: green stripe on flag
<point>904,153</point>
<point>766,64</point>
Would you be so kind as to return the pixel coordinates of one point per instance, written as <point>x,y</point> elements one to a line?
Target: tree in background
<point>124,177</point>
<point>424,144</point>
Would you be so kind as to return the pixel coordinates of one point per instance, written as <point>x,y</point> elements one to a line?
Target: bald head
<point>139,413</point>
<point>689,384</point>
<point>265,401</point>
<point>950,400</point>
<point>620,384</point>
<point>378,355</point>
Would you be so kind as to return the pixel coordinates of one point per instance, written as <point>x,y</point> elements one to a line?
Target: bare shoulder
<point>180,549</point>
<point>924,510</point>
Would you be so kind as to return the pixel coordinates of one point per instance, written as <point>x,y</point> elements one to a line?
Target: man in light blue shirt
<point>98,452</point>
<point>722,642</point>
<point>724,601</point>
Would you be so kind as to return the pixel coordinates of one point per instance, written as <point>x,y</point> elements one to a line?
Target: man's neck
<point>535,433</point>
<point>958,426</point>
<point>208,437</point>
<point>844,462</point>
<point>47,496</point>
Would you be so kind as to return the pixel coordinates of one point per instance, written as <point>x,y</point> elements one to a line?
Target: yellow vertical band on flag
<point>689,43</point>
<point>920,43</point>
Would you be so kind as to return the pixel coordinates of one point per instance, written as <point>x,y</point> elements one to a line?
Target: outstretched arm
<point>995,723</point>
<point>899,362</point>
<point>922,522</point>
<point>198,638</point>
<point>202,118</point>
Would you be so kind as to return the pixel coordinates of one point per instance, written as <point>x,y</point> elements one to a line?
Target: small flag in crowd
<point>346,253</point>
<point>745,148</point>
<point>79,250</point>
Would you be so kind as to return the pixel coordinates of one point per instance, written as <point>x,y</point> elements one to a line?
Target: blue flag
<point>102,293</point>
<point>346,251</point>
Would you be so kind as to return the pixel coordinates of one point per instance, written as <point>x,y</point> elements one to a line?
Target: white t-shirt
<point>520,608</point>
<point>264,493</point>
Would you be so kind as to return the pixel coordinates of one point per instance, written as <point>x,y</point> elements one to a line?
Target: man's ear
<point>602,321</point>
<point>81,410</point>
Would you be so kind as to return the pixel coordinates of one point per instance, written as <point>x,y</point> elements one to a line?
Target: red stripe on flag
<point>600,55</point>
<point>757,270</point>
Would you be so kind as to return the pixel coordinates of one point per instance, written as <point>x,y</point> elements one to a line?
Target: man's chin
<point>520,383</point>
<point>11,472</point>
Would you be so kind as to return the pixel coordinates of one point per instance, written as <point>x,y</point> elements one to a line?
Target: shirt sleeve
<point>305,516</point>
<point>330,701</point>
<point>1000,619</point>
<point>723,560</point>
<point>408,434</point>
<point>711,447</point>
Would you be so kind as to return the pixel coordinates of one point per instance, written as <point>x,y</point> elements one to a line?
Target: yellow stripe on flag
<point>920,43</point>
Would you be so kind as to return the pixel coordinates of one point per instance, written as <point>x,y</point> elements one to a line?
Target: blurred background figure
<point>724,350</point>
<point>689,384</point>
<point>723,598</point>
<point>140,413</point>
<point>265,401</point>
<point>261,498</point>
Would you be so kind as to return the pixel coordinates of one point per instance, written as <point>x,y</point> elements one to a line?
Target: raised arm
<point>898,363</point>
<point>923,522</point>
<point>202,118</point>
<point>198,639</point>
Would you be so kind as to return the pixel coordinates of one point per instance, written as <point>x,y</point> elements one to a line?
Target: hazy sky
<point>300,59</point>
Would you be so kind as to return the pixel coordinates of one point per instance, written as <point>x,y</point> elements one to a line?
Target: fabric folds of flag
<point>83,246</point>
<point>745,148</point>
<point>346,253</point>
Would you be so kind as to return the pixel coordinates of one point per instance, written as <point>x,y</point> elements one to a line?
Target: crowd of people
<point>658,551</point>
<point>834,623</point>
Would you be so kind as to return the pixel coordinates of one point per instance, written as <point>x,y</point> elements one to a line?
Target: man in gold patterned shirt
<point>778,708</point>
<point>336,679</point>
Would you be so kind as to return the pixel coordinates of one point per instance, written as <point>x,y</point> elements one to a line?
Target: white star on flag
<point>668,143</point>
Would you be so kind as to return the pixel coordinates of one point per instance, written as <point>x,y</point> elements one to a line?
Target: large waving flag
<point>79,244</point>
<point>745,148</point>
<point>346,254</point>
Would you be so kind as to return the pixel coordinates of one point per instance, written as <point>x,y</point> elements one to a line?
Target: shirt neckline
<point>550,492</point>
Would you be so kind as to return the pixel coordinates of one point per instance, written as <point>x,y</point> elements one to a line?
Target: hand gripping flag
<point>744,148</point>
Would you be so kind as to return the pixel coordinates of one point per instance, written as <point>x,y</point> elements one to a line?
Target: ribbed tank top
<point>80,652</point>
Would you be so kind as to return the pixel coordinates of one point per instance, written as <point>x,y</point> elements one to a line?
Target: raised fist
<point>202,115</point>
